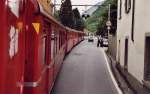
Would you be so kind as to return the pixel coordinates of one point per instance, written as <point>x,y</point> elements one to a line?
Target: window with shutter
<point>147,59</point>
<point>127,6</point>
<point>120,10</point>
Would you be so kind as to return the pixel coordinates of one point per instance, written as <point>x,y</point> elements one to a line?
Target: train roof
<point>53,20</point>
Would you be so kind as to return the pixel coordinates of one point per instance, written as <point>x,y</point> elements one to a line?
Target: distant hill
<point>99,17</point>
<point>93,8</point>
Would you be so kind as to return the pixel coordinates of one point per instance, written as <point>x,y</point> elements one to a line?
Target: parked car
<point>90,39</point>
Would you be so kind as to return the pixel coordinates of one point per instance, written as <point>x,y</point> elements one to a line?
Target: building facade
<point>112,36</point>
<point>133,41</point>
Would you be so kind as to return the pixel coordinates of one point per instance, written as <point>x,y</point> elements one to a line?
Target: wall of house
<point>112,46</point>
<point>123,30</point>
<point>136,48</point>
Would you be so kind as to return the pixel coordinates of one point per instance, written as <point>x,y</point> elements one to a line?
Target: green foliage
<point>56,15</point>
<point>66,14</point>
<point>76,13</point>
<point>69,17</point>
<point>99,17</point>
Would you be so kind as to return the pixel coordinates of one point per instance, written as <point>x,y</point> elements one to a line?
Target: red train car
<point>33,46</point>
<point>12,39</point>
<point>3,46</point>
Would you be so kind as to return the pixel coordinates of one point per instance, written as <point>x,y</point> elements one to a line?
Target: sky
<point>81,9</point>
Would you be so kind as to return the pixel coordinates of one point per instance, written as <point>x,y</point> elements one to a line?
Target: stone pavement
<point>119,78</point>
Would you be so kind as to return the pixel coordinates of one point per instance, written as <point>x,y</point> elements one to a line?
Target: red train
<point>32,47</point>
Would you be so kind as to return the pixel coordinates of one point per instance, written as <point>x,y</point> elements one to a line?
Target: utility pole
<point>108,23</point>
<point>109,12</point>
<point>54,6</point>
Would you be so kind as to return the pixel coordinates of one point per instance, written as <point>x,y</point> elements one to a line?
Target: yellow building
<point>47,5</point>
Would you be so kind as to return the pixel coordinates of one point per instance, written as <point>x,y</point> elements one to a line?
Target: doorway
<point>119,53</point>
<point>147,59</point>
<point>126,55</point>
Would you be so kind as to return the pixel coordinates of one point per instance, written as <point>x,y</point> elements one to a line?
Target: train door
<point>49,72</point>
<point>3,46</point>
<point>15,47</point>
<point>56,47</point>
<point>52,46</point>
<point>53,50</point>
<point>65,40</point>
<point>43,52</point>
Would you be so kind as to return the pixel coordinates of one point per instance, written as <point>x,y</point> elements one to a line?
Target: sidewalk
<point>119,77</point>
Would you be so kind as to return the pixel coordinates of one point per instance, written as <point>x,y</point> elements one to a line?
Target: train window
<point>59,39</point>
<point>13,48</point>
<point>52,44</point>
<point>55,42</point>
<point>52,36</point>
<point>62,38</point>
<point>44,50</point>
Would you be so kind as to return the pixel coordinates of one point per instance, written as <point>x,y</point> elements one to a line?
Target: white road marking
<point>111,74</point>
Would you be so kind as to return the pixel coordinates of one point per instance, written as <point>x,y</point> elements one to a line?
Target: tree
<point>76,13</point>
<point>56,15</point>
<point>78,21</point>
<point>104,15</point>
<point>113,17</point>
<point>66,14</point>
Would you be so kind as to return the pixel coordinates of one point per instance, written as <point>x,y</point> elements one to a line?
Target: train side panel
<point>14,39</point>
<point>33,46</point>
<point>3,46</point>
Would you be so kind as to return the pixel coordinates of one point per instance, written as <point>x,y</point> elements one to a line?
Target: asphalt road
<point>85,71</point>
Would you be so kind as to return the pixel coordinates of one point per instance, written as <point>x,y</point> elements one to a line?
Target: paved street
<point>85,71</point>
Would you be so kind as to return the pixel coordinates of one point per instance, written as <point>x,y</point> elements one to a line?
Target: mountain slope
<point>99,17</point>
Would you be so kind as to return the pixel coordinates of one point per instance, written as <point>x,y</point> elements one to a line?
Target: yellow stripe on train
<point>36,27</point>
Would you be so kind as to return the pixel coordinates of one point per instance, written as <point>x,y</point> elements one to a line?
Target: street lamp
<point>54,6</point>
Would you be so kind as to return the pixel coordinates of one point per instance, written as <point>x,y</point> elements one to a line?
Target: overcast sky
<point>81,9</point>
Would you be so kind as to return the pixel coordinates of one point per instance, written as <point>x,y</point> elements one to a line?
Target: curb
<point>123,85</point>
